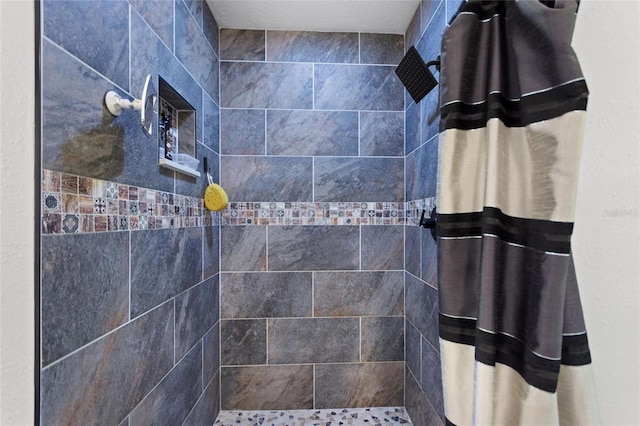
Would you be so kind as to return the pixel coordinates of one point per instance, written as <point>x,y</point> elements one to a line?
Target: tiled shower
<point>313,289</point>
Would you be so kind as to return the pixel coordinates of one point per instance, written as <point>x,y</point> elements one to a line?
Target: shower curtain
<point>514,348</point>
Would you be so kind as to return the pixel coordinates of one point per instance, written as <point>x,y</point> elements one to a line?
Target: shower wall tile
<point>117,371</point>
<point>430,122</point>
<point>429,8</point>
<point>211,123</point>
<point>194,51</point>
<point>163,264</point>
<point>382,134</point>
<point>358,293</point>
<point>417,404</point>
<point>160,17</point>
<point>196,312</point>
<point>313,340</point>
<point>210,28</point>
<point>270,179</point>
<point>422,308</point>
<point>358,179</point>
<point>287,387</point>
<point>309,248</point>
<point>195,8</point>
<point>243,85</point>
<point>297,132</point>
<point>412,249</point>
<point>359,385</point>
<point>429,270</point>
<point>381,48</point>
<point>266,295</point>
<point>357,87</point>
<point>242,45</point>
<point>382,247</point>
<point>431,381</point>
<point>67,23</point>
<point>382,339</point>
<point>195,186</point>
<point>413,32</point>
<point>305,46</point>
<point>243,342</point>
<point>422,171</point>
<point>125,422</point>
<point>242,131</point>
<point>208,406</point>
<point>243,248</point>
<point>452,7</point>
<point>174,397</point>
<point>85,290</point>
<point>413,354</point>
<point>211,353</point>
<point>412,128</point>
<point>211,251</point>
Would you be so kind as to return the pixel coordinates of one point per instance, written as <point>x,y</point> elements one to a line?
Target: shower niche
<point>176,131</point>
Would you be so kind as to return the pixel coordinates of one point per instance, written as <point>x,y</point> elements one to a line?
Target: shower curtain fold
<point>513,341</point>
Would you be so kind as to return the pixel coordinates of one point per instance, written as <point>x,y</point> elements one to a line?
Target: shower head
<point>415,75</point>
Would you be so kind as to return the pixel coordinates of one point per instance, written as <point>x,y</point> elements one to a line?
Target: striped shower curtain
<point>513,343</point>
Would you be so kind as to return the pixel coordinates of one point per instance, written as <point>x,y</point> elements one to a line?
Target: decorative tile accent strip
<point>74,204</point>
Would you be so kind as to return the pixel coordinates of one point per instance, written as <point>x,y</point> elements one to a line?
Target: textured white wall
<point>607,233</point>
<point>17,159</point>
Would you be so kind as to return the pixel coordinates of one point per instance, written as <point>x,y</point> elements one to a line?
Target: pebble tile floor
<point>378,416</point>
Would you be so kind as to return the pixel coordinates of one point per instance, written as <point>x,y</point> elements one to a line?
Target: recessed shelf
<point>179,167</point>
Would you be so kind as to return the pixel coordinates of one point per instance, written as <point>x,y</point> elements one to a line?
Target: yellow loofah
<point>215,199</point>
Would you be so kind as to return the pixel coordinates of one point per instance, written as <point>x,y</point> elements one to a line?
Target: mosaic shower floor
<point>378,416</point>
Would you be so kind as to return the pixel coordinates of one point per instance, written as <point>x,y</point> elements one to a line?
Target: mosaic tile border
<point>74,204</point>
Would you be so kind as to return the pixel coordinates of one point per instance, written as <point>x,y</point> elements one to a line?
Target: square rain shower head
<point>415,75</point>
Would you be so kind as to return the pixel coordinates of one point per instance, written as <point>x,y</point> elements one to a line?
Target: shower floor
<point>342,416</point>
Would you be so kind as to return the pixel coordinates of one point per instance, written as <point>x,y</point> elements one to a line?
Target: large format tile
<point>413,128</point>
<point>171,401</point>
<point>211,353</point>
<point>382,133</point>
<point>207,408</point>
<point>163,264</point>
<point>243,342</point>
<point>358,293</point>
<point>271,179</point>
<point>210,124</point>
<point>242,45</point>
<point>417,404</point>
<point>413,354</point>
<point>307,46</point>
<point>104,381</point>
<point>357,87</point>
<point>196,312</point>
<point>313,340</point>
<point>422,171</point>
<point>431,379</point>
<point>211,250</point>
<point>382,339</point>
<point>359,179</point>
<point>308,248</point>
<point>429,272</point>
<point>359,385</point>
<point>242,131</point>
<point>422,308</point>
<point>287,387</point>
<point>412,249</point>
<point>266,295</point>
<point>297,132</point>
<point>159,15</point>
<point>210,29</point>
<point>382,247</point>
<point>381,48</point>
<point>85,289</point>
<point>243,248</point>
<point>244,85</point>
<point>67,23</point>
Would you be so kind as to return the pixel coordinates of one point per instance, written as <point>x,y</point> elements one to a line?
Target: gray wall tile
<point>429,9</point>
<point>243,248</point>
<point>359,179</point>
<point>422,171</point>
<point>452,7</point>
<point>266,295</point>
<point>194,51</point>
<point>247,178</point>
<point>243,45</point>
<point>196,312</point>
<point>159,15</point>
<point>359,385</point>
<point>243,342</point>
<point>67,23</point>
<point>381,48</point>
<point>171,401</point>
<point>412,126</point>
<point>117,371</point>
<point>382,338</point>
<point>211,123</point>
<point>305,46</point>
<point>290,85</point>
<point>287,387</point>
<point>358,293</point>
<point>296,132</point>
<point>313,340</point>
<point>357,87</point>
<point>207,408</point>
<point>85,290</point>
<point>382,133</point>
<point>429,259</point>
<point>413,32</point>
<point>211,353</point>
<point>413,351</point>
<point>211,250</point>
<point>307,248</point>
<point>417,404</point>
<point>382,247</point>
<point>195,7</point>
<point>242,131</point>
<point>430,111</point>
<point>210,28</point>
<point>422,308</point>
<point>431,381</point>
<point>163,264</point>
<point>412,249</point>
<point>125,422</point>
